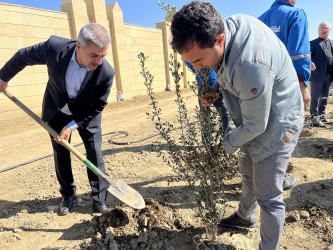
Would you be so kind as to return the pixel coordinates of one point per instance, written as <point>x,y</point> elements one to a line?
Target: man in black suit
<point>322,73</point>
<point>76,93</point>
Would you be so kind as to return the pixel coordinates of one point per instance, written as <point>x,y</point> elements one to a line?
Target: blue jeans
<point>262,184</point>
<point>319,94</point>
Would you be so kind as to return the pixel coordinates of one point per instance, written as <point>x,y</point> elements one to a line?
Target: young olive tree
<point>189,154</point>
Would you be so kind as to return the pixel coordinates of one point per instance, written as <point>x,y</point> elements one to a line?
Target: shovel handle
<point>30,113</point>
<point>63,142</point>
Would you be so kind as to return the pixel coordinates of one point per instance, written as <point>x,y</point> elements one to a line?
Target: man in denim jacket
<point>290,24</point>
<point>260,88</point>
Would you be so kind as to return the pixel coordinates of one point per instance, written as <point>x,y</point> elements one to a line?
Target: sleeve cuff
<point>228,148</point>
<point>300,79</point>
<point>73,125</point>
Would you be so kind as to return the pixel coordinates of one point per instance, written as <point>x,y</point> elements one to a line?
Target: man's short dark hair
<point>196,22</point>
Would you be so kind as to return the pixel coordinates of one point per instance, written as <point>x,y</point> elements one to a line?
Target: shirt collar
<point>73,59</point>
<point>229,30</point>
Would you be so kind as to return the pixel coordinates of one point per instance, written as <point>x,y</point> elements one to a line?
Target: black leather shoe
<point>66,205</point>
<point>101,207</point>
<point>235,221</point>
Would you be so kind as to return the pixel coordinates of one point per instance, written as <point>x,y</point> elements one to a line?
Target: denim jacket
<point>260,88</point>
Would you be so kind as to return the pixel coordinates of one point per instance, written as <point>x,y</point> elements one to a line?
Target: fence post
<point>77,10</point>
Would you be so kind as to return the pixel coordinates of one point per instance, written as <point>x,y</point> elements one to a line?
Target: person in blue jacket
<point>290,24</point>
<point>218,103</point>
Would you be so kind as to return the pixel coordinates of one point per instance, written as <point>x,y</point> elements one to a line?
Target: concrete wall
<point>24,26</point>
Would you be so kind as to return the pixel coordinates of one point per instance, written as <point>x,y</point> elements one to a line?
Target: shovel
<point>118,188</point>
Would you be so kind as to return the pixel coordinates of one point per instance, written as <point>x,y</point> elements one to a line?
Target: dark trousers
<point>62,159</point>
<point>319,94</point>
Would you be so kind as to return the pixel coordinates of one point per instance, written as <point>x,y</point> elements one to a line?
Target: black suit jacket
<point>319,58</point>
<point>56,53</point>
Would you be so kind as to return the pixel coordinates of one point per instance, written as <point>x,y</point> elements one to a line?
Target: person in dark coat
<point>322,74</point>
<point>76,93</point>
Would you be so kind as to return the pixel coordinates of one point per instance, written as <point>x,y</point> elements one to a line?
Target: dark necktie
<point>329,53</point>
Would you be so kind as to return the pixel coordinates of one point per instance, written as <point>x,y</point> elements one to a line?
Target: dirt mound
<point>154,227</point>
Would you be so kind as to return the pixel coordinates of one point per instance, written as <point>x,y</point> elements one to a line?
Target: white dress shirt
<point>74,78</point>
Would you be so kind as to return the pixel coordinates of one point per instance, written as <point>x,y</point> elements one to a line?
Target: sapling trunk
<point>190,154</point>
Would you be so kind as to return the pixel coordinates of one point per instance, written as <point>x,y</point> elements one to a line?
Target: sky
<point>148,12</point>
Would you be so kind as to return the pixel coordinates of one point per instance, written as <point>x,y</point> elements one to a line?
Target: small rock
<point>143,238</point>
<point>160,244</point>
<point>4,212</point>
<point>101,219</point>
<point>79,200</point>
<point>317,187</point>
<point>90,230</point>
<point>313,210</point>
<point>98,236</point>
<point>318,224</point>
<point>154,246</point>
<point>94,222</point>
<point>294,217</point>
<point>166,243</point>
<point>17,230</point>
<point>52,208</point>
<point>304,214</point>
<point>152,235</point>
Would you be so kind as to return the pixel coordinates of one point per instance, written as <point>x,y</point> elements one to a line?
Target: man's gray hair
<point>329,25</point>
<point>94,33</point>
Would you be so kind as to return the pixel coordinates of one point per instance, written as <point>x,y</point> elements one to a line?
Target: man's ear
<point>220,40</point>
<point>78,45</point>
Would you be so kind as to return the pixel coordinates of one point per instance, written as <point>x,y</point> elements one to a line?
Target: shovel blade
<point>126,194</point>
